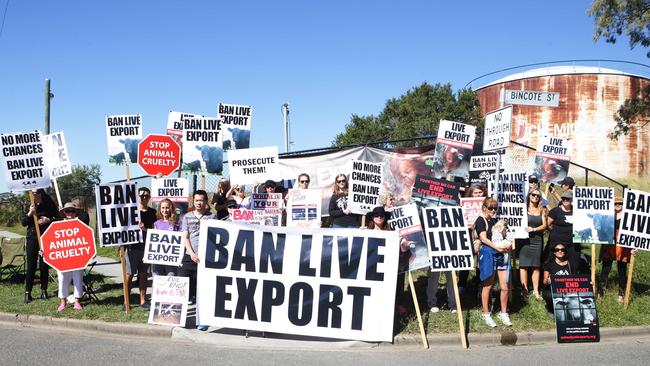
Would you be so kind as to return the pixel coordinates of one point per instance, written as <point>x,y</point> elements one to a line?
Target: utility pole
<point>48,97</point>
<point>285,117</point>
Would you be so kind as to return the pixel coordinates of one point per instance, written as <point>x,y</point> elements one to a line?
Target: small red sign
<point>68,245</point>
<point>159,154</point>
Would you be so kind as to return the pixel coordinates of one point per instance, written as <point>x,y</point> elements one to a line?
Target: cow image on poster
<point>131,148</point>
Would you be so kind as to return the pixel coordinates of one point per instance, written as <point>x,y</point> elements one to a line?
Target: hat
<point>378,211</point>
<point>68,206</point>
<point>568,181</point>
<point>533,179</point>
<point>269,183</point>
<point>231,204</point>
<point>618,199</point>
<point>567,194</point>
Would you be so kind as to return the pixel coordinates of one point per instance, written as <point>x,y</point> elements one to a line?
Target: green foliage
<point>414,114</point>
<point>80,182</point>
<point>13,209</point>
<point>614,18</point>
<point>633,114</point>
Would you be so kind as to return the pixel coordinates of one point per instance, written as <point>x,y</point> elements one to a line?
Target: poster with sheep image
<point>123,134</point>
<point>236,122</point>
<point>202,145</point>
<point>593,215</point>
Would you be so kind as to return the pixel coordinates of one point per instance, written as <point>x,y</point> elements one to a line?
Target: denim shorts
<point>501,261</point>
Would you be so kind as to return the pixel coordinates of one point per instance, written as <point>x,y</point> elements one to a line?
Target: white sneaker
<point>435,309</point>
<point>454,311</point>
<point>505,319</point>
<point>487,318</point>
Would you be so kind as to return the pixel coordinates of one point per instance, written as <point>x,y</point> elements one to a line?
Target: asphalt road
<point>45,346</point>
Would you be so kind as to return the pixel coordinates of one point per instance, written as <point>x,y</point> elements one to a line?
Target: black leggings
<point>622,275</point>
<point>32,257</point>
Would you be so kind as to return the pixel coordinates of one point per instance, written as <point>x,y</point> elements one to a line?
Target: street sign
<point>497,129</point>
<point>527,97</point>
<point>159,154</point>
<point>68,245</point>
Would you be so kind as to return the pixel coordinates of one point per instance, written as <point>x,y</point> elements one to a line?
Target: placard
<point>481,167</point>
<point>552,159</point>
<point>56,155</point>
<point>576,319</point>
<point>593,215</point>
<point>202,145</point>
<point>164,247</point>
<point>450,246</point>
<point>252,166</point>
<point>118,214</point>
<point>454,147</point>
<point>472,209</point>
<point>304,208</point>
<point>364,186</point>
<point>123,134</point>
<point>428,191</point>
<point>250,217</point>
<point>169,299</point>
<point>635,225</point>
<point>271,206</point>
<point>236,120</point>
<point>175,123</point>
<point>23,161</point>
<point>414,252</point>
<point>174,189</point>
<point>513,188</point>
<point>497,129</point>
<point>336,283</point>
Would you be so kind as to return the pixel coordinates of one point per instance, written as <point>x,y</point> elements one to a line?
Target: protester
<point>387,200</point>
<point>530,249</point>
<point>46,211</point>
<point>82,210</point>
<point>432,292</point>
<point>556,264</point>
<point>492,258</point>
<point>476,190</point>
<point>135,252</point>
<point>231,205</point>
<point>340,214</point>
<point>303,181</point>
<point>560,223</point>
<point>223,194</point>
<point>69,212</point>
<point>269,186</point>
<point>167,220</point>
<point>566,185</point>
<point>611,253</point>
<point>533,183</point>
<point>190,225</point>
<point>243,201</point>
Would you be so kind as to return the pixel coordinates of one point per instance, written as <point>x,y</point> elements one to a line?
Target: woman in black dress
<point>530,251</point>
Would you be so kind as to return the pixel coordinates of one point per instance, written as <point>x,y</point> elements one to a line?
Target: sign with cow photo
<point>593,215</point>
<point>236,121</point>
<point>123,134</point>
<point>202,145</point>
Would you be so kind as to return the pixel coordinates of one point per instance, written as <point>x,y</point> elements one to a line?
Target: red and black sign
<point>574,305</point>
<point>429,187</point>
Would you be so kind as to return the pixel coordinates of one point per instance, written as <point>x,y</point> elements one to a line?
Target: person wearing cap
<point>269,186</point>
<point>566,184</point>
<point>533,184</point>
<point>231,205</point>
<point>611,253</point>
<point>340,214</point>
<point>69,212</point>
<point>560,223</point>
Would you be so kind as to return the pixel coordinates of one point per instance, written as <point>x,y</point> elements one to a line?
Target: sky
<point>327,59</point>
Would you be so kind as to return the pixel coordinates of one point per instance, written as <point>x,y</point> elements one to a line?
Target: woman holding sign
<point>167,220</point>
<point>556,264</point>
<point>530,251</point>
<point>492,259</point>
<point>340,214</point>
<point>46,211</point>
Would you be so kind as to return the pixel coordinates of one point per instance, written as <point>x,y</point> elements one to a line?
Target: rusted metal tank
<point>589,98</point>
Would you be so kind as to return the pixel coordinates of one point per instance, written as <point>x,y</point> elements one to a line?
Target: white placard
<point>175,122</point>
<point>365,186</point>
<point>593,215</point>
<point>552,159</point>
<point>169,300</point>
<point>635,225</point>
<point>450,246</point>
<point>123,134</point>
<point>337,283</point>
<point>236,120</point>
<point>118,214</point>
<point>497,129</point>
<point>175,189</point>
<point>513,188</point>
<point>23,161</point>
<point>527,97</point>
<point>164,247</point>
<point>255,165</point>
<point>56,155</point>
<point>202,145</point>
<point>414,252</point>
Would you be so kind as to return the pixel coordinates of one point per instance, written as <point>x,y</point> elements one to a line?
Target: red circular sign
<point>68,245</point>
<point>159,154</point>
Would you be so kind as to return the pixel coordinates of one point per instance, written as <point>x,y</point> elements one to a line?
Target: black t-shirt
<point>147,217</point>
<point>555,269</point>
<point>220,200</point>
<point>480,227</point>
<point>562,231</point>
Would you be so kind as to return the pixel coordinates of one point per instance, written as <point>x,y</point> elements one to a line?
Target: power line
<point>4,16</point>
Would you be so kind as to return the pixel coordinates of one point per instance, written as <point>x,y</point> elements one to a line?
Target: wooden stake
<point>593,268</point>
<point>628,287</point>
<point>416,305</point>
<point>459,310</point>
<point>125,277</point>
<point>363,221</point>
<point>203,182</point>
<point>36,226</point>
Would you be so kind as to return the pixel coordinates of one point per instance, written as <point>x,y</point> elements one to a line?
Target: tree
<point>80,182</point>
<point>414,114</point>
<point>613,18</point>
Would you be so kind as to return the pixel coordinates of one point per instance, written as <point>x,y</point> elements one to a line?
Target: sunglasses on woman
<point>535,195</point>
<point>340,181</point>
<point>491,208</point>
<point>556,250</point>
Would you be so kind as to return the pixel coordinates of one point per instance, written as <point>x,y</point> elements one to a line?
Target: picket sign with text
<point>497,129</point>
<point>450,246</point>
<point>202,145</point>
<point>23,161</point>
<point>236,120</point>
<point>175,122</point>
<point>56,155</point>
<point>454,146</point>
<point>364,186</point>
<point>169,300</point>
<point>472,209</point>
<point>552,159</point>
<point>270,204</point>
<point>336,283</point>
<point>593,215</point>
<point>175,189</point>
<point>246,216</point>
<point>634,232</point>
<point>118,214</point>
<point>254,165</point>
<point>512,202</point>
<point>304,207</point>
<point>164,247</point>
<point>123,134</point>
<point>405,220</point>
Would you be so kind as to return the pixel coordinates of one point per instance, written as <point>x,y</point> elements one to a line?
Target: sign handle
<point>203,182</point>
<point>363,224</point>
<point>125,277</point>
<point>593,269</point>
<point>459,310</point>
<point>58,194</point>
<point>628,287</point>
<point>423,335</point>
<point>36,226</point>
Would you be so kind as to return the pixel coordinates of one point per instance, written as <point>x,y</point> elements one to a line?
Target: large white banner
<point>593,215</point>
<point>123,134</point>
<point>337,283</point>
<point>255,165</point>
<point>450,246</point>
<point>497,129</point>
<point>304,208</point>
<point>202,145</point>
<point>118,214</point>
<point>236,120</point>
<point>23,161</point>
<point>635,226</point>
<point>169,298</point>
<point>364,186</point>
<point>164,247</point>
<point>175,189</point>
<point>56,155</point>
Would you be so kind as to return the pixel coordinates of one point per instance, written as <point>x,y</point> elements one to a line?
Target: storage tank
<point>589,98</point>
